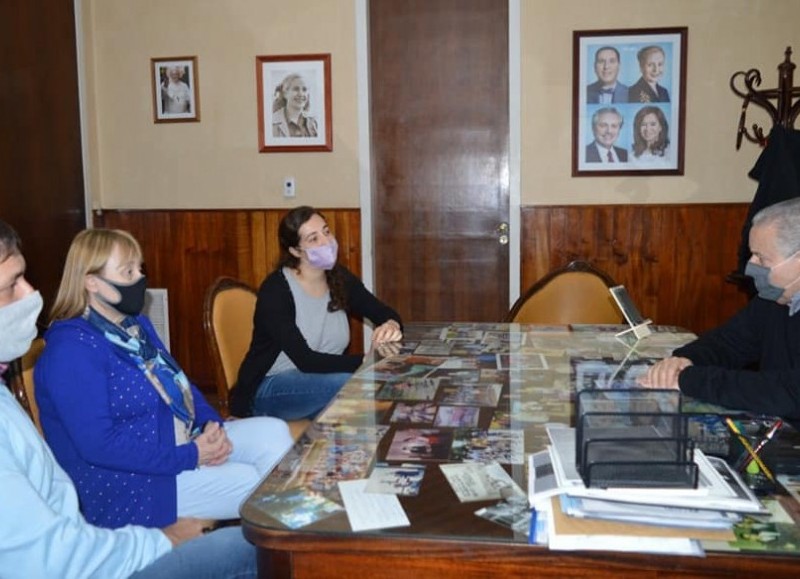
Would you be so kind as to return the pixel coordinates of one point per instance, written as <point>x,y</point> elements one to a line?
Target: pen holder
<point>751,473</point>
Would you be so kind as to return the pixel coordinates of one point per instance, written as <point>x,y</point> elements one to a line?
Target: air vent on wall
<point>156,307</point>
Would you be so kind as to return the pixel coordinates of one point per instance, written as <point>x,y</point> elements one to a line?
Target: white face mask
<point>18,326</point>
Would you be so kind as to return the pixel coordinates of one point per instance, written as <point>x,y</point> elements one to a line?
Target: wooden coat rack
<point>784,112</point>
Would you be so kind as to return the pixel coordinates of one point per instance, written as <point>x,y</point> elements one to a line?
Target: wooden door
<point>440,138</point>
<point>41,171</point>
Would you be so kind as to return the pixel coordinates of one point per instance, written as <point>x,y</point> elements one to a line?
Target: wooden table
<point>536,369</point>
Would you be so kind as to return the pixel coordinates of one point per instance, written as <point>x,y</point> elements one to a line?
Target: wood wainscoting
<point>672,258</point>
<point>186,250</point>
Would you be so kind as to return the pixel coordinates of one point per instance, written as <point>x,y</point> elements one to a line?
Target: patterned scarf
<point>159,367</point>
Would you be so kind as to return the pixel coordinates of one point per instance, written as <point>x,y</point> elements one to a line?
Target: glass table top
<point>451,394</point>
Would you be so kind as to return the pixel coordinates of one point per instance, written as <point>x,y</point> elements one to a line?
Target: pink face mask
<point>323,256</point>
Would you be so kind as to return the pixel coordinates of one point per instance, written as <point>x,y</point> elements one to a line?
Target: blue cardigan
<point>109,428</point>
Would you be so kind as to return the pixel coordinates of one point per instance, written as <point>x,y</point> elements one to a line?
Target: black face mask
<point>132,300</point>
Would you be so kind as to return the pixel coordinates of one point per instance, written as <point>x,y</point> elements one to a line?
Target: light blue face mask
<point>18,321</point>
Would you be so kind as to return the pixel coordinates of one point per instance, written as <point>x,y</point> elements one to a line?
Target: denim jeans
<point>221,554</point>
<point>293,394</point>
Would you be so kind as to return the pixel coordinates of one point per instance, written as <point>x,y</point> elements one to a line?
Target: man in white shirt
<point>42,533</point>
<point>606,125</point>
<point>606,89</point>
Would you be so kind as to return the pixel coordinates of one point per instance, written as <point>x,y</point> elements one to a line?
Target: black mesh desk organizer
<point>633,438</point>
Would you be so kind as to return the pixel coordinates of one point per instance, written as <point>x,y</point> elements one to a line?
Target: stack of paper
<point>568,515</point>
<point>573,533</point>
<point>719,488</point>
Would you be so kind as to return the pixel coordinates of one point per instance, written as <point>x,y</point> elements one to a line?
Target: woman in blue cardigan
<point>136,437</point>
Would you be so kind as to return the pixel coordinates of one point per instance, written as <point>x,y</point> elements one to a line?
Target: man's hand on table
<point>664,374</point>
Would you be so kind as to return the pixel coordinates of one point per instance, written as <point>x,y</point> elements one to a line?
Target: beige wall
<point>724,36</point>
<point>215,163</point>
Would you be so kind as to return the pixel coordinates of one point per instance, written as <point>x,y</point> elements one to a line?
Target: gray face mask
<point>760,275</point>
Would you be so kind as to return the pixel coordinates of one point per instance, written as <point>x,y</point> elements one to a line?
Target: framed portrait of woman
<point>294,103</point>
<point>175,93</point>
<point>628,102</point>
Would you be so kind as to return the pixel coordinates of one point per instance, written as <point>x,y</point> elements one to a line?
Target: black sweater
<point>275,331</point>
<point>761,335</point>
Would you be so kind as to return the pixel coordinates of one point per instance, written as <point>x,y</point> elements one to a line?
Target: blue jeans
<point>222,554</point>
<point>293,394</point>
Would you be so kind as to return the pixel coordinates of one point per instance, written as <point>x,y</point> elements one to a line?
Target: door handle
<point>502,233</point>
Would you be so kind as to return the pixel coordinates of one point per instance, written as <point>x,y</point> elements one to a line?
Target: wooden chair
<point>228,312</point>
<point>22,383</point>
<point>574,294</point>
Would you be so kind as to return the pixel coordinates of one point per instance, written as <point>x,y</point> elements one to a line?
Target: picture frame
<point>629,102</point>
<point>176,97</point>
<point>294,103</point>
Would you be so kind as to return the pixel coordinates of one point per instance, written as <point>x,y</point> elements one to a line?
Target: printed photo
<point>175,93</point>
<point>297,508</point>
<point>324,464</point>
<point>413,412</point>
<point>629,100</point>
<point>477,445</point>
<point>420,444</point>
<point>294,103</point>
<point>410,389</point>
<point>457,416</point>
<point>471,395</point>
<point>480,482</point>
<point>404,480</point>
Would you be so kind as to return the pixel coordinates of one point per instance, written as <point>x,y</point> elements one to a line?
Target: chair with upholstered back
<point>228,312</point>
<point>22,383</point>
<point>575,294</point>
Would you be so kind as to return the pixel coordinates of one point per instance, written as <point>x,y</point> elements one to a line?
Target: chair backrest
<point>24,390</point>
<point>228,321</point>
<point>575,294</point>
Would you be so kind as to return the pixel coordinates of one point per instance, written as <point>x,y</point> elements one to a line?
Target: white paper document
<point>719,487</point>
<point>368,511</point>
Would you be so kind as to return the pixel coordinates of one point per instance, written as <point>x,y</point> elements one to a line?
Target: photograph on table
<point>433,348</point>
<point>457,416</point>
<point>324,464</point>
<point>480,481</point>
<point>297,508</point>
<point>420,444</point>
<point>413,412</point>
<point>410,389</point>
<point>360,411</point>
<point>513,513</point>
<point>470,394</point>
<point>479,445</point>
<point>607,373</point>
<point>628,103</point>
<point>404,480</point>
<point>400,366</point>
<point>456,376</point>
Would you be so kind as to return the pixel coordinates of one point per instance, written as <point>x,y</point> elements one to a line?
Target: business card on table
<point>368,511</point>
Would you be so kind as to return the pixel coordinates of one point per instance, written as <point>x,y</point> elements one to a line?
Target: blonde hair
<point>279,99</point>
<point>88,254</point>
